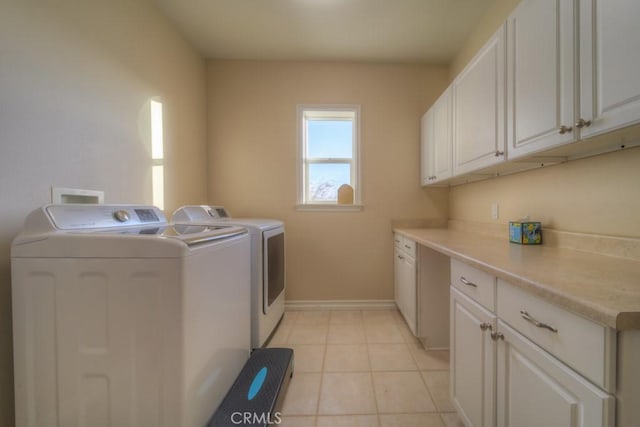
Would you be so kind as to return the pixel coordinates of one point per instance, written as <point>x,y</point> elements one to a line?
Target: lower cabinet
<point>404,263</point>
<point>536,389</point>
<point>518,371</point>
<point>473,360</point>
<point>405,273</point>
<point>421,287</point>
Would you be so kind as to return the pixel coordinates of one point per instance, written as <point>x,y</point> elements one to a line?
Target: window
<point>157,154</point>
<point>328,146</point>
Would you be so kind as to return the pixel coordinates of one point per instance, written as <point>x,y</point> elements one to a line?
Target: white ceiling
<point>424,31</point>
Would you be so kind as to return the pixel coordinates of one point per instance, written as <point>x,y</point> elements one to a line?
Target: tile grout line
<point>324,361</point>
<point>420,372</point>
<point>326,340</point>
<point>373,383</point>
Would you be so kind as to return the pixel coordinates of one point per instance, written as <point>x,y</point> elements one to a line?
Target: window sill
<point>329,208</point>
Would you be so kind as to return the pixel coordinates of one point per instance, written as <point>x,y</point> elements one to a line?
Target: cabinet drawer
<point>586,346</point>
<point>398,240</point>
<point>475,283</point>
<point>409,246</point>
<point>405,244</point>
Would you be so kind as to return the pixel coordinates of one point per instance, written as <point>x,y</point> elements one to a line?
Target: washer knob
<point>121,215</point>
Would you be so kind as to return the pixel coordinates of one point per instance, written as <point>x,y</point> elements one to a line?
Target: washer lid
<point>112,231</point>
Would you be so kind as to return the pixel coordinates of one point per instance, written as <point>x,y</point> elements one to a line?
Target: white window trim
<point>334,110</point>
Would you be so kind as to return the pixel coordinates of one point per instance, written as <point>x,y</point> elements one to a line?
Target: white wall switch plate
<point>494,211</point>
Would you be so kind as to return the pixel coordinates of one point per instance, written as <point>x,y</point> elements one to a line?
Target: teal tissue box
<point>525,232</point>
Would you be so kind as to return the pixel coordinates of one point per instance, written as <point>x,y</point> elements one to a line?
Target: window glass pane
<point>329,138</point>
<point>324,180</point>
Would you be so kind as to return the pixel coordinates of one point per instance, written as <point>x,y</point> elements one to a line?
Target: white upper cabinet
<point>558,72</point>
<point>541,68</point>
<point>436,145</point>
<point>479,109</point>
<point>609,65</point>
<point>545,63</point>
<point>426,148</point>
<point>442,137</point>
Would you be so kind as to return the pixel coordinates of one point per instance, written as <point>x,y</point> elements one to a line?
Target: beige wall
<point>76,77</point>
<point>252,149</point>
<point>495,16</point>
<point>597,195</point>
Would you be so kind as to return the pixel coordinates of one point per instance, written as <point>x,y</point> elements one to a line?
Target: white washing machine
<point>267,264</point>
<point>122,320</point>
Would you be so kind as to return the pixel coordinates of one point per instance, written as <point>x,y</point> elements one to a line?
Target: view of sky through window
<point>325,179</point>
<point>329,139</point>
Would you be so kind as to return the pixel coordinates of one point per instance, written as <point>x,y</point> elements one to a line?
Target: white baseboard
<point>371,304</point>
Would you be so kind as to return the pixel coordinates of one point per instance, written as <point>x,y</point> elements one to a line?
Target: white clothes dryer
<point>267,264</point>
<point>120,319</point>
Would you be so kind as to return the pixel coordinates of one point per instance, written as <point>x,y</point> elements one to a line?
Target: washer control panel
<point>77,217</point>
<point>121,215</point>
<point>217,212</point>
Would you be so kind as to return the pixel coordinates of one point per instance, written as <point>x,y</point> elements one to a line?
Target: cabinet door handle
<point>497,336</point>
<point>498,153</point>
<point>466,282</point>
<point>407,246</point>
<point>400,257</point>
<point>485,326</point>
<point>526,316</point>
<point>564,129</point>
<point>581,123</point>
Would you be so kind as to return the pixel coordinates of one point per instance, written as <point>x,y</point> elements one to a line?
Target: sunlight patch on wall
<point>157,153</point>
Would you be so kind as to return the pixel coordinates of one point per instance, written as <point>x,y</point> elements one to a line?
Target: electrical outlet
<point>494,211</point>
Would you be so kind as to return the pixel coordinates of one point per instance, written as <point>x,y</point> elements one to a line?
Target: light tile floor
<point>362,369</point>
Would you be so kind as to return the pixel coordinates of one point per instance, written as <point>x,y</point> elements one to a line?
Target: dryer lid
<point>203,214</point>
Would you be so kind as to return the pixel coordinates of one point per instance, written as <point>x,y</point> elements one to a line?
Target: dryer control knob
<point>121,215</point>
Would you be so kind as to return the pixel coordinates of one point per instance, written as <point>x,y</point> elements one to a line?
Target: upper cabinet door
<point>426,148</point>
<point>442,144</point>
<point>609,65</point>
<point>541,66</point>
<point>479,109</point>
<point>436,142</point>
